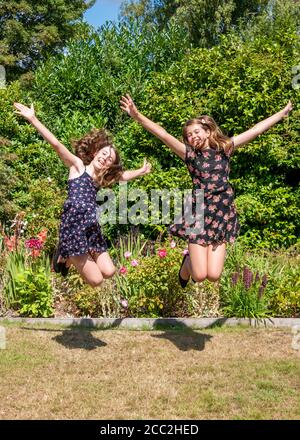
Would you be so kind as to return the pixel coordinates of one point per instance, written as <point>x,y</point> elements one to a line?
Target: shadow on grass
<point>73,338</point>
<point>79,338</point>
<point>182,336</point>
<point>78,333</point>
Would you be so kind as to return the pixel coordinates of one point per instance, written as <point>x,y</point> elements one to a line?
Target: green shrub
<point>27,283</point>
<point>281,295</point>
<point>244,297</point>
<point>34,291</point>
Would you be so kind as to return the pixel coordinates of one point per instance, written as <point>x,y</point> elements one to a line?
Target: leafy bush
<point>244,297</point>
<point>280,295</point>
<point>33,291</point>
<point>102,302</point>
<point>43,206</point>
<point>26,276</point>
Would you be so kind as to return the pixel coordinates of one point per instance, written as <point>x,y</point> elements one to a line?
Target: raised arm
<point>128,106</point>
<point>132,174</point>
<point>66,156</point>
<point>261,127</point>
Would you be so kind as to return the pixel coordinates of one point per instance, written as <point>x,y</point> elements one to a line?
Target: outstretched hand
<point>146,168</point>
<point>27,112</point>
<point>287,109</point>
<point>128,106</point>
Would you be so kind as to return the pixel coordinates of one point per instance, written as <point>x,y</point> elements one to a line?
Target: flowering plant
<point>245,296</point>
<point>27,273</point>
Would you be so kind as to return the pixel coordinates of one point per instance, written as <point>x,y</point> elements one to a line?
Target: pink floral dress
<point>209,170</point>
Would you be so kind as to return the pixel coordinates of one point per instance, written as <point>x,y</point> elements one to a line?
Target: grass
<point>74,373</point>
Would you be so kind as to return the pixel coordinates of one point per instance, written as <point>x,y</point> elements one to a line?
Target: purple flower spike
<point>247,277</point>
<point>264,280</point>
<point>234,278</point>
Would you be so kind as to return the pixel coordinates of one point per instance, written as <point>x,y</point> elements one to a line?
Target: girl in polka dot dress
<point>96,164</point>
<point>206,152</point>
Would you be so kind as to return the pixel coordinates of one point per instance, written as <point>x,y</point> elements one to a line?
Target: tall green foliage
<point>204,20</point>
<point>97,70</point>
<point>31,30</point>
<point>242,80</point>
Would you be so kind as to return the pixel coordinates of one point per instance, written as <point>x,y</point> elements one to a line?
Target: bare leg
<point>105,264</point>
<point>196,264</point>
<point>215,262</point>
<point>88,269</point>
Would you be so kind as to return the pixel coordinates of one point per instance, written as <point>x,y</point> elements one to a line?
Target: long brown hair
<point>89,145</point>
<point>217,139</point>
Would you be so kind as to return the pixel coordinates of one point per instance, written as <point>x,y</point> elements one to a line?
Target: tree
<point>30,30</point>
<point>155,11</point>
<point>204,20</point>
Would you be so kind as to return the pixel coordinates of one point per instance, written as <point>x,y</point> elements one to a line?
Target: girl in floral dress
<point>206,152</point>
<point>96,164</point>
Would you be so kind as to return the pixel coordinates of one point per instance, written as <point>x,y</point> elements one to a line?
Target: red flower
<point>162,253</point>
<point>123,270</point>
<point>34,243</point>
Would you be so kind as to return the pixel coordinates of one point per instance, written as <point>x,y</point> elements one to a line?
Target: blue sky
<point>102,11</point>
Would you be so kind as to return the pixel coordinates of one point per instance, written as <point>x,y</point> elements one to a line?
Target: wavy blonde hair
<point>89,145</point>
<point>217,139</point>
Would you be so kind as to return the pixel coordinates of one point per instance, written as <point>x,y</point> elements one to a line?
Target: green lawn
<point>223,373</point>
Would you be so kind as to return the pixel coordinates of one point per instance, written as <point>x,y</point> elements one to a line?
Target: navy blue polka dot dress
<point>80,232</point>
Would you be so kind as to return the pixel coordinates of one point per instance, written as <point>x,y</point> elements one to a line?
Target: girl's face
<point>196,135</point>
<point>104,158</point>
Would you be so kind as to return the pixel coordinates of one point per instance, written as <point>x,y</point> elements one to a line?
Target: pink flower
<point>10,243</point>
<point>34,253</point>
<point>123,270</point>
<point>134,263</point>
<point>34,243</point>
<point>172,244</point>
<point>124,303</point>
<point>42,236</point>
<point>185,252</point>
<point>127,254</point>
<point>162,253</point>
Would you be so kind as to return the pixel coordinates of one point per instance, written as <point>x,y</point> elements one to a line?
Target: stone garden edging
<point>156,323</point>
